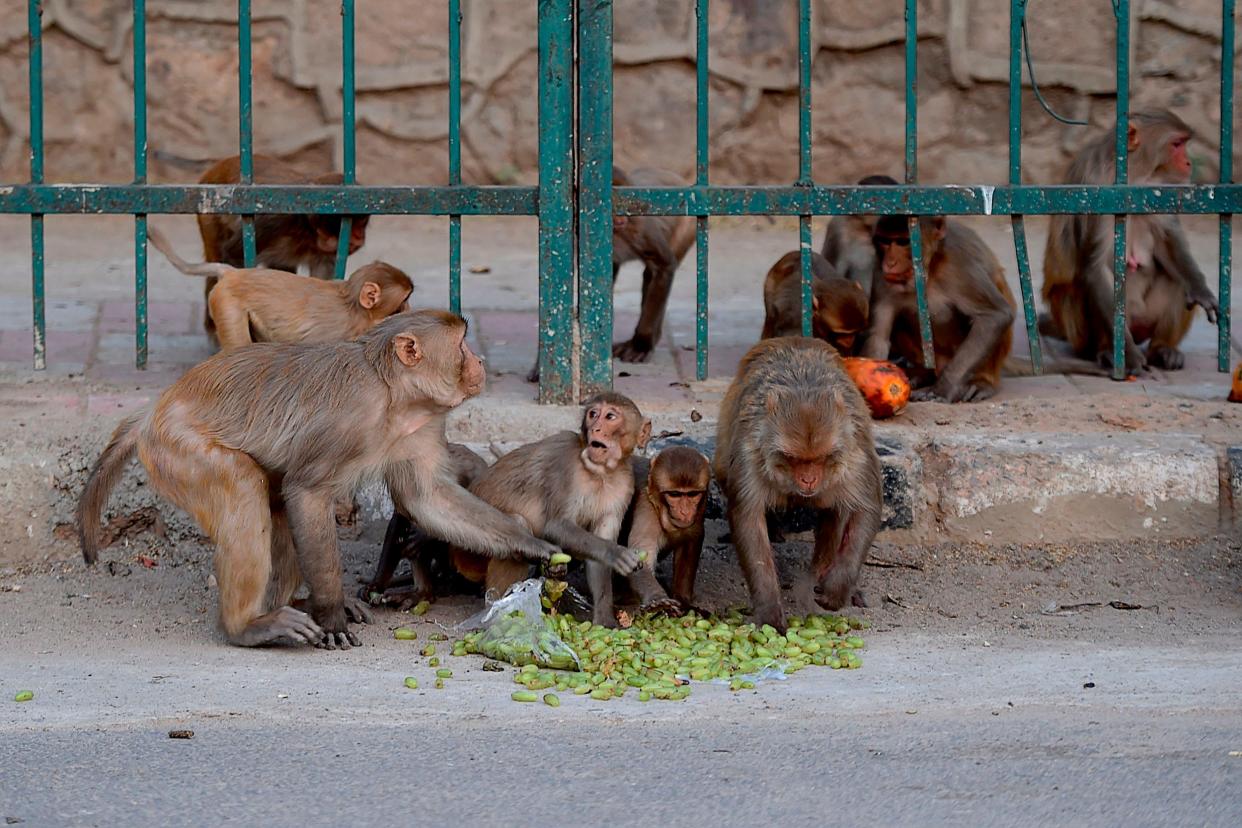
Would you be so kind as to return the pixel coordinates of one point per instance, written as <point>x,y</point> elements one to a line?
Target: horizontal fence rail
<point>575,191</point>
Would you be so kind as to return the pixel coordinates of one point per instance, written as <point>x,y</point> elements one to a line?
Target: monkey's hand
<point>623,560</point>
<point>357,610</point>
<point>1136,363</point>
<point>536,549</point>
<point>633,350</point>
<point>953,392</point>
<point>662,605</point>
<point>1204,299</point>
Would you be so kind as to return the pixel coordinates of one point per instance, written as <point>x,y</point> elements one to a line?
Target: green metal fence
<point>574,194</point>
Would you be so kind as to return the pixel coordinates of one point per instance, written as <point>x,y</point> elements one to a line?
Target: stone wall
<point>402,86</point>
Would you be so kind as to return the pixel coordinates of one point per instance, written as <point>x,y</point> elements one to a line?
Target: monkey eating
<point>260,305</point>
<point>282,242</point>
<point>666,515</point>
<point>838,307</point>
<point>971,308</point>
<point>794,431</point>
<point>1163,282</point>
<point>847,241</point>
<point>257,443</point>
<point>571,488</point>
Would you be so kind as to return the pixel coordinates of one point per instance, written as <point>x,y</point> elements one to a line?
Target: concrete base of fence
<point>945,478</point>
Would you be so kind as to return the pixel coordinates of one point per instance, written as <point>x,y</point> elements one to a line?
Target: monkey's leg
<point>754,553</point>
<point>685,570</point>
<point>599,578</point>
<point>209,324</point>
<point>1098,311</point>
<point>314,533</point>
<point>232,319</point>
<point>286,577</point>
<point>842,541</point>
<point>651,595</point>
<point>402,541</point>
<point>503,573</point>
<point>657,284</point>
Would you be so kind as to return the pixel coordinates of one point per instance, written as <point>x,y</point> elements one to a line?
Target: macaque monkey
<point>573,489</point>
<point>847,242</point>
<point>838,307</point>
<point>1163,283</point>
<point>971,307</point>
<point>405,541</point>
<point>260,305</point>
<point>660,243</point>
<point>794,431</point>
<point>666,515</point>
<point>257,443</point>
<point>282,242</point>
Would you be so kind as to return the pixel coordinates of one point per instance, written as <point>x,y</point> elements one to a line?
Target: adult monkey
<point>794,431</point>
<point>660,243</point>
<point>257,443</point>
<point>1163,283</point>
<point>971,307</point>
<point>847,241</point>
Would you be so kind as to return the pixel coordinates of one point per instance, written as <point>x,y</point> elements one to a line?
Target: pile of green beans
<point>659,656</point>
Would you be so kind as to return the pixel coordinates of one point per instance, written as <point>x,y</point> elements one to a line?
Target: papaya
<point>884,386</point>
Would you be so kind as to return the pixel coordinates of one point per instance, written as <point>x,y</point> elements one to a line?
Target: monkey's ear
<point>937,227</point>
<point>644,434</point>
<point>857,284</point>
<point>370,294</point>
<point>407,348</point>
<point>814,302</point>
<point>1132,138</point>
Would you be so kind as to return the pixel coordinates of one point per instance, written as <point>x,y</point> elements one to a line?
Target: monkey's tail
<point>103,478</point>
<point>163,245</point>
<point>1024,368</point>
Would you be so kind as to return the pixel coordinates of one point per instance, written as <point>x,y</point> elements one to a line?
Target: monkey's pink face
<point>604,428</point>
<point>683,508</point>
<point>472,373</point>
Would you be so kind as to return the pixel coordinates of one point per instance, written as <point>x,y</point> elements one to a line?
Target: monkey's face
<point>680,509</point>
<point>472,373</point>
<point>802,451</point>
<point>605,428</point>
<point>892,253</point>
<point>1175,164</point>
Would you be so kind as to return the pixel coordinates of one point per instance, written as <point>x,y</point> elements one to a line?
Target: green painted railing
<point>575,198</point>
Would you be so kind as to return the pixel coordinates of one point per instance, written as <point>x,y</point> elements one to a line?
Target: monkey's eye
<point>611,415</point>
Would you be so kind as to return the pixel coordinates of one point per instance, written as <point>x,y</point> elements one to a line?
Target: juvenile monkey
<point>847,242</point>
<point>573,489</point>
<point>1163,282</point>
<point>257,443</point>
<point>971,308</point>
<point>405,541</point>
<point>666,515</point>
<point>838,307</point>
<point>794,431</point>
<point>259,305</point>
<point>282,242</point>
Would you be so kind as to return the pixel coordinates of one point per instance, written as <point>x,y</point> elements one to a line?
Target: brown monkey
<point>1163,283</point>
<point>259,305</point>
<point>282,242</point>
<point>847,242</point>
<point>794,431</point>
<point>573,489</point>
<point>971,307</point>
<point>666,515</point>
<point>838,307</point>
<point>405,541</point>
<point>660,243</point>
<point>257,443</point>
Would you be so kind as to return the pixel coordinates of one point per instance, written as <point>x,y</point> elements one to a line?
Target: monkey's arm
<point>1173,254</point>
<point>880,331</point>
<point>1098,299</point>
<point>990,317</point>
<point>425,489</point>
<point>582,544</point>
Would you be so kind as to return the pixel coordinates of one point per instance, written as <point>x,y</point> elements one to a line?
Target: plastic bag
<point>514,629</point>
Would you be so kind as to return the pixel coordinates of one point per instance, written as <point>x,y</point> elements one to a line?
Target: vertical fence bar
<point>34,23</point>
<point>454,148</point>
<point>556,199</point>
<point>804,154</point>
<point>1122,9</point>
<point>912,177</point>
<point>140,177</point>
<point>245,123</point>
<point>701,158</point>
<point>1017,11</point>
<point>1225,285</point>
<point>349,130</point>
<point>595,193</point>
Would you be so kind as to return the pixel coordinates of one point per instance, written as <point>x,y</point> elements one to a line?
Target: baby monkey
<point>260,305</point>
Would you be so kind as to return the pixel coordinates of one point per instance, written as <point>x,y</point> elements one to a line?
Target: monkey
<point>847,241</point>
<point>282,242</point>
<point>261,305</point>
<point>405,541</point>
<point>666,515</point>
<point>660,243</point>
<point>972,309</point>
<point>572,488</point>
<point>256,444</point>
<point>838,307</point>
<point>1163,282</point>
<point>794,431</point>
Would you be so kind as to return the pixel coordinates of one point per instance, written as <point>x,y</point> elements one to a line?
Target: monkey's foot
<point>1166,357</point>
<point>533,374</point>
<point>284,624</point>
<point>773,616</point>
<point>971,392</point>
<point>858,599</point>
<point>357,611</point>
<point>660,605</point>
<point>604,619</point>
<point>1136,365</point>
<point>633,350</point>
<point>338,641</point>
